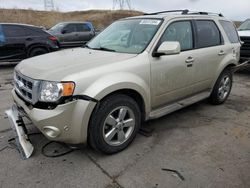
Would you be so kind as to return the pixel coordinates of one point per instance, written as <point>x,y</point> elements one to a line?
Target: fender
<point>107,85</point>
<point>118,81</point>
<point>228,61</point>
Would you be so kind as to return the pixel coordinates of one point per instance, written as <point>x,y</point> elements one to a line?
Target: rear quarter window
<point>35,31</point>
<point>2,37</point>
<point>230,31</point>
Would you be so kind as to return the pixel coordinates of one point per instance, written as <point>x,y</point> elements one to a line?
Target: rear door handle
<point>29,39</point>
<point>190,60</point>
<point>221,53</point>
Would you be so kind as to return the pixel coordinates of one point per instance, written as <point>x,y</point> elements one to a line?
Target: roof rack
<point>168,11</point>
<point>206,13</point>
<point>185,12</point>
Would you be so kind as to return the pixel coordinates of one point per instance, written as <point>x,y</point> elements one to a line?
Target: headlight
<point>53,91</point>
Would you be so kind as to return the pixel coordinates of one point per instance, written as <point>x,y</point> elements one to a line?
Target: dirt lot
<point>208,145</point>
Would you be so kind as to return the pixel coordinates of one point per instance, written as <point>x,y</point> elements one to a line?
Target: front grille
<point>25,87</point>
<point>245,48</point>
<point>246,45</point>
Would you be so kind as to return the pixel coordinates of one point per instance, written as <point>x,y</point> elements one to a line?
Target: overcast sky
<point>233,9</point>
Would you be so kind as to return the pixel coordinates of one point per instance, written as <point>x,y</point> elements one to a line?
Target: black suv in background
<point>20,41</point>
<point>244,33</point>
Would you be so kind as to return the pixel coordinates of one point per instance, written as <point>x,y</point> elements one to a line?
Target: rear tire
<point>222,88</point>
<point>37,51</point>
<point>114,124</point>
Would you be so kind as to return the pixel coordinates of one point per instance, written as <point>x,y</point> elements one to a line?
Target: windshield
<point>57,27</point>
<point>245,26</point>
<point>126,36</point>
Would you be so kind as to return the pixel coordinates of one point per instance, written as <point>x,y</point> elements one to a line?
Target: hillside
<point>100,18</point>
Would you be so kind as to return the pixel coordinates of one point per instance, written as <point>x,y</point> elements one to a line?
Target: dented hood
<point>55,66</point>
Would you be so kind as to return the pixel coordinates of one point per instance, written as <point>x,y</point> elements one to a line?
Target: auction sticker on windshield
<point>150,22</point>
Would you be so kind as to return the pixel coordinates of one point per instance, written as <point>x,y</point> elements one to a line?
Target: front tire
<point>114,124</point>
<point>222,88</point>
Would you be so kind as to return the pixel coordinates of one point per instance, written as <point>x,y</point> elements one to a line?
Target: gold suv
<point>137,69</point>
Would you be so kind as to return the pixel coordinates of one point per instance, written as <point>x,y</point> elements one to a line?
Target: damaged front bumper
<point>67,123</point>
<point>23,143</point>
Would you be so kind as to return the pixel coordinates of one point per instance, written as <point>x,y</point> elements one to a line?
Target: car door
<point>69,33</point>
<point>13,47</point>
<point>209,52</point>
<point>2,43</point>
<point>172,75</point>
<point>84,33</point>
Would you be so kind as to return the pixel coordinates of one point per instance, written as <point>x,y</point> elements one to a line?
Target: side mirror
<point>168,48</point>
<point>64,31</point>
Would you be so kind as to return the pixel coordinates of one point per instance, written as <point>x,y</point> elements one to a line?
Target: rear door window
<point>13,31</point>
<point>79,27</point>
<point>82,27</point>
<point>70,28</point>
<point>230,30</point>
<point>2,38</point>
<point>208,34</point>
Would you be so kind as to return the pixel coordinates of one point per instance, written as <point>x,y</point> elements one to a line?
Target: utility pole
<point>122,4</point>
<point>49,5</point>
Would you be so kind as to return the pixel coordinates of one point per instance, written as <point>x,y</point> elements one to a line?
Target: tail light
<point>53,39</point>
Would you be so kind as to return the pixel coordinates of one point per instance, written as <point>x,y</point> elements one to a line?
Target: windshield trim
<point>124,19</point>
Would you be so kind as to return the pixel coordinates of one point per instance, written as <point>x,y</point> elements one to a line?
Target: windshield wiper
<point>107,49</point>
<point>86,46</point>
<point>243,29</point>
<point>100,48</point>
<point>103,49</point>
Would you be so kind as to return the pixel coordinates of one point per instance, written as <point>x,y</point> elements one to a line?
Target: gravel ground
<point>208,145</point>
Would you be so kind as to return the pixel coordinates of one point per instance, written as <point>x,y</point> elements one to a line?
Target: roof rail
<point>206,13</point>
<point>168,11</point>
<point>185,12</point>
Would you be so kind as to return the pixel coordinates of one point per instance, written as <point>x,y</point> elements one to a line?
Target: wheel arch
<point>135,95</point>
<point>228,64</point>
<point>125,91</point>
<point>33,46</point>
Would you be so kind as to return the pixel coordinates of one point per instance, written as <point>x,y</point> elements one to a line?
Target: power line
<point>49,5</point>
<point>122,4</point>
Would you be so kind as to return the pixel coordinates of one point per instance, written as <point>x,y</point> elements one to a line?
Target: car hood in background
<point>244,33</point>
<point>56,66</point>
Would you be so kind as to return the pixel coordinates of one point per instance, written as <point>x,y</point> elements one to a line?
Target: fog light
<point>51,131</point>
